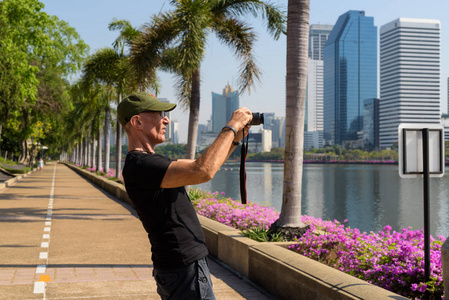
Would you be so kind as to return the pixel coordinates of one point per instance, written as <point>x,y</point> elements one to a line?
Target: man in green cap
<point>155,185</point>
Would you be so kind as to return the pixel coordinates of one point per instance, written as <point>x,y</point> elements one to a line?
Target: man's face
<point>155,125</point>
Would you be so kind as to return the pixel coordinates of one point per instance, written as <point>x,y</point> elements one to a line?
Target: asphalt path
<point>61,237</point>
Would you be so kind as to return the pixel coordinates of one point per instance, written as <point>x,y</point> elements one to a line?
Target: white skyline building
<point>409,75</point>
<point>315,95</point>
<point>318,35</point>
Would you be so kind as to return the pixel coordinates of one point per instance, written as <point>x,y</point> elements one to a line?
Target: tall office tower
<point>318,35</point>
<point>350,76</point>
<point>371,124</point>
<point>409,75</point>
<point>223,106</point>
<point>314,115</point>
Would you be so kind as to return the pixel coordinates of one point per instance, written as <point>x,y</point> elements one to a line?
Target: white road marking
<point>39,286</point>
<point>41,269</point>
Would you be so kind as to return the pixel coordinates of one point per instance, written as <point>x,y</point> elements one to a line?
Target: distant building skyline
<point>350,76</point>
<point>172,131</point>
<point>277,127</point>
<point>409,75</point>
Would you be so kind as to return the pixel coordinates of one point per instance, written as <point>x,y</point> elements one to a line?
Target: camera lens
<point>257,119</point>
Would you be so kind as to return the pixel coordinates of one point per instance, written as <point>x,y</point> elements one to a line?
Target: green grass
<point>263,235</point>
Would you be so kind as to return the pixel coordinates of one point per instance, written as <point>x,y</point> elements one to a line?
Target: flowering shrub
<point>234,214</point>
<point>391,260</point>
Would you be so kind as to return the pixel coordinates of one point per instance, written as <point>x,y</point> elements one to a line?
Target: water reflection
<point>368,196</point>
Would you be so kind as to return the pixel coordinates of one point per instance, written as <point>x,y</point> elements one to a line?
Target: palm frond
<point>195,18</point>
<point>127,33</point>
<point>146,48</point>
<point>102,66</point>
<point>274,15</point>
<point>241,38</point>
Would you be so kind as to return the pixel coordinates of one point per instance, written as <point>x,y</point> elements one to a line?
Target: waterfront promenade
<point>64,238</point>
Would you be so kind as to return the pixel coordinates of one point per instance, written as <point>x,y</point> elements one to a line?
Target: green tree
<point>38,52</point>
<point>177,40</point>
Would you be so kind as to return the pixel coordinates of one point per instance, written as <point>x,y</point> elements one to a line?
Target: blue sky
<point>91,19</point>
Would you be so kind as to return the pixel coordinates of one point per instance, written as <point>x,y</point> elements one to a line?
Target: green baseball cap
<point>139,102</point>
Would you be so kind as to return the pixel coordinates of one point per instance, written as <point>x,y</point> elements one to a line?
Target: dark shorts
<point>192,282</point>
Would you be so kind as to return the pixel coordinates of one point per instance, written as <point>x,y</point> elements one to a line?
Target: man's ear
<point>136,121</point>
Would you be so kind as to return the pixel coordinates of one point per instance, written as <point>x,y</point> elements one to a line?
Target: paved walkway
<point>63,238</point>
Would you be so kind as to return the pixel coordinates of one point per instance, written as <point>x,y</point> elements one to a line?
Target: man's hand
<point>240,120</point>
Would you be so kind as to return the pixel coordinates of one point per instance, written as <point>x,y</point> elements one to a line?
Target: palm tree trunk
<point>118,149</point>
<point>77,153</point>
<point>296,80</point>
<point>99,160</point>
<point>85,152</point>
<point>107,139</point>
<point>94,148</point>
<point>194,115</point>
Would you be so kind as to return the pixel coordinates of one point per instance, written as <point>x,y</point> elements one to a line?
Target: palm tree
<point>297,51</point>
<point>176,41</point>
<point>127,33</point>
<point>103,67</point>
<point>85,118</point>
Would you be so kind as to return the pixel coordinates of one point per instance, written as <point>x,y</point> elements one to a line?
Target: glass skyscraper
<point>223,106</point>
<point>350,75</point>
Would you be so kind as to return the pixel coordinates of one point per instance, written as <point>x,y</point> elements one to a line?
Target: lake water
<point>368,196</point>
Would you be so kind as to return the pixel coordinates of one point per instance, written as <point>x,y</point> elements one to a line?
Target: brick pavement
<point>63,238</point>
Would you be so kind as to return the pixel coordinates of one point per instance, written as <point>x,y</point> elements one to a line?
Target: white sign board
<point>411,150</point>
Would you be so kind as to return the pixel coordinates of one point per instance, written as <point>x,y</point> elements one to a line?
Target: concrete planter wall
<point>13,180</point>
<point>281,272</point>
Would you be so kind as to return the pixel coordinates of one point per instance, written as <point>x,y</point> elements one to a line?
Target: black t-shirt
<point>168,216</point>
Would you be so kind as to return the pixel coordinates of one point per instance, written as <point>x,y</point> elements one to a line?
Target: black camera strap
<point>243,153</point>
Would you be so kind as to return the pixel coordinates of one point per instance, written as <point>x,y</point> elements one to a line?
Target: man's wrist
<point>228,127</point>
